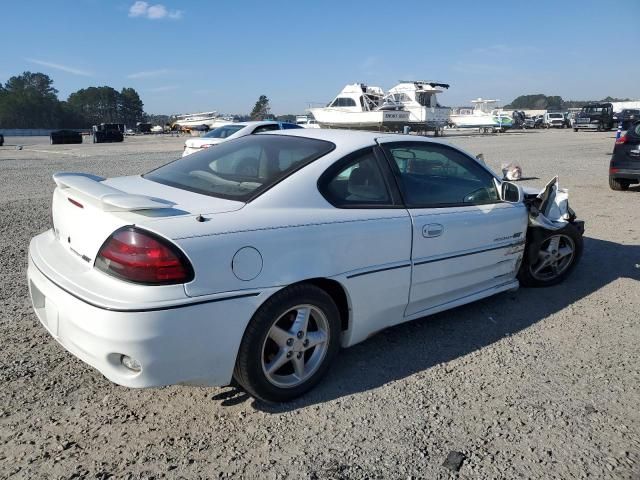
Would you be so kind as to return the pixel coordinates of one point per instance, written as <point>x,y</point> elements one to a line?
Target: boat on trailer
<point>210,120</point>
<point>482,116</point>
<point>358,106</point>
<point>419,98</point>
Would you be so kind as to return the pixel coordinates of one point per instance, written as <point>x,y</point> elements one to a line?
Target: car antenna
<point>200,218</point>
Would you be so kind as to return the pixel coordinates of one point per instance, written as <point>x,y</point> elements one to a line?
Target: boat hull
<point>334,118</point>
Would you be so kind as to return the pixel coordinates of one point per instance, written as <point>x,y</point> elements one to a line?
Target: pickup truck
<point>596,116</point>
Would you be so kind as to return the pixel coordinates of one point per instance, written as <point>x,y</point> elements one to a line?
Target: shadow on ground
<point>406,349</point>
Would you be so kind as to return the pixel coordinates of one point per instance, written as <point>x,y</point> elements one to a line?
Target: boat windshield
<point>224,131</point>
<point>426,99</point>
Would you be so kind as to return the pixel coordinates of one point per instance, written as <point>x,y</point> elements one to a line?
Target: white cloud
<point>500,50</point>
<point>149,73</point>
<point>153,12</point>
<point>57,66</point>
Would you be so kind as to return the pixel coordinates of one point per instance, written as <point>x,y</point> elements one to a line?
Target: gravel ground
<point>532,384</point>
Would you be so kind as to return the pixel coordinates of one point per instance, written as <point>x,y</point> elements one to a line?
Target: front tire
<point>288,344</point>
<point>617,184</point>
<point>556,254</point>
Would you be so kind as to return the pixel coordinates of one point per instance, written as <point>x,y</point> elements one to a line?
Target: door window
<point>433,175</point>
<point>357,184</point>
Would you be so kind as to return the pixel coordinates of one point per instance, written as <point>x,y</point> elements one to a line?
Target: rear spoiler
<point>109,198</point>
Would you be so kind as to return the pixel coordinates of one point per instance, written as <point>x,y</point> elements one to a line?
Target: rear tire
<point>575,129</point>
<point>557,253</point>
<point>618,184</point>
<point>274,363</point>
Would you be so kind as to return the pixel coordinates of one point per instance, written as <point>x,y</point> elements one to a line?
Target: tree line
<point>30,101</point>
<point>540,101</point>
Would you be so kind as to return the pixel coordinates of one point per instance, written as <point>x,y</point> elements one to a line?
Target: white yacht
<point>358,106</point>
<point>209,119</point>
<point>419,99</point>
<point>482,116</point>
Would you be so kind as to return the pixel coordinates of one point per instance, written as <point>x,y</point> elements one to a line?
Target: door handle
<point>432,230</point>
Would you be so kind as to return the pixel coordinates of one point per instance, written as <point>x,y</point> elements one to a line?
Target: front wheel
<point>288,344</point>
<point>556,253</point>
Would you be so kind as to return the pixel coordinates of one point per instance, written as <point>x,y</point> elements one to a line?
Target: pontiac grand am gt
<point>258,259</point>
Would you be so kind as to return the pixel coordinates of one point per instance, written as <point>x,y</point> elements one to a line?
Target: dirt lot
<point>532,384</point>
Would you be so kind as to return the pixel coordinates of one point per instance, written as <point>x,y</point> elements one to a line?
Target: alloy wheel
<point>554,258</point>
<point>295,346</point>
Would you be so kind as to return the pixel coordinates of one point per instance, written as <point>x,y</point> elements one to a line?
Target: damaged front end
<point>549,208</point>
<point>554,237</point>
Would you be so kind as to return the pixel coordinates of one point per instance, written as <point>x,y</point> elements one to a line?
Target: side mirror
<point>510,192</point>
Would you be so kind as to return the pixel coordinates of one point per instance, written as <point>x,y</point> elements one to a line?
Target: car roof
<point>255,122</point>
<point>351,136</point>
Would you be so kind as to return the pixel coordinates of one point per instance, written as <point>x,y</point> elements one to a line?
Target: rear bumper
<point>189,344</point>
<point>625,174</point>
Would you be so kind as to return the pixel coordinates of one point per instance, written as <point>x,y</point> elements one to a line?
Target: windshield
<point>224,131</point>
<point>243,168</point>
<point>556,115</point>
<point>592,109</point>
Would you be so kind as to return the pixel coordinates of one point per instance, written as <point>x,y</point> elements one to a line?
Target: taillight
<point>143,257</point>
<point>622,140</point>
<point>205,145</point>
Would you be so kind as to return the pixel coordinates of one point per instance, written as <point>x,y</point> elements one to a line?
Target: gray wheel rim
<point>295,346</point>
<point>554,258</point>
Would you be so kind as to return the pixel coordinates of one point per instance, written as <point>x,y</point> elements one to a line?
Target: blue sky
<point>197,55</point>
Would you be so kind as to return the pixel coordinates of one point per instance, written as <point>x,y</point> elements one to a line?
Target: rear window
<point>224,131</point>
<point>241,169</point>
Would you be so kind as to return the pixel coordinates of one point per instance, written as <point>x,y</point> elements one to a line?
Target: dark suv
<point>598,116</point>
<point>624,168</point>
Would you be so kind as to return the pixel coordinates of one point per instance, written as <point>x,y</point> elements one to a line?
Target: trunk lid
<point>87,209</point>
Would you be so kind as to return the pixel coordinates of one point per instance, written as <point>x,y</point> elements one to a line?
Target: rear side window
<point>433,175</point>
<point>243,168</point>
<point>290,126</point>
<point>357,183</point>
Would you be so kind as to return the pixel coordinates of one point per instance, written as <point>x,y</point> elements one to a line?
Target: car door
<point>373,237</point>
<point>466,241</point>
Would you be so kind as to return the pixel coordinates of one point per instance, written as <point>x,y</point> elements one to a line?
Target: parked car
<point>232,131</point>
<point>1,140</point>
<point>553,120</point>
<point>529,122</point>
<point>258,259</point>
<point>624,167</point>
<point>538,121</point>
<point>65,136</point>
<point>626,117</point>
<point>107,132</point>
<point>598,116</point>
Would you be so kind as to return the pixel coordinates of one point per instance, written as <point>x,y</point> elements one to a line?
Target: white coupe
<point>258,259</point>
<point>231,132</point>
